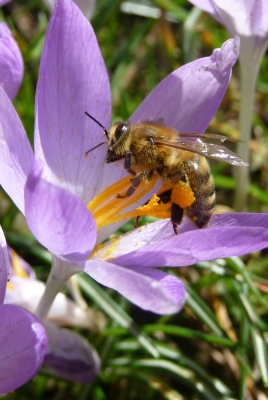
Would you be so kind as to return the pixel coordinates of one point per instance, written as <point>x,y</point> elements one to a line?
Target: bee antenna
<point>95,147</point>
<point>97,122</point>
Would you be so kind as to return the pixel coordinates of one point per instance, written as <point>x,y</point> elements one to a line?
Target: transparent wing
<point>210,150</point>
<point>212,136</point>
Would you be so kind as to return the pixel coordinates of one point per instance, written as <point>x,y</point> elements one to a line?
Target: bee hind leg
<point>176,216</point>
<point>136,223</point>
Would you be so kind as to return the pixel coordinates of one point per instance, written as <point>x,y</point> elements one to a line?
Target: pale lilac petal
<point>64,312</point>
<point>188,98</point>
<point>3,2</point>
<point>70,355</point>
<point>230,234</point>
<point>149,289</point>
<point>245,17</point>
<point>23,345</point>
<point>4,266</point>
<point>57,218</point>
<point>238,16</point>
<point>73,79</point>
<point>263,25</point>
<point>11,63</point>
<point>16,155</point>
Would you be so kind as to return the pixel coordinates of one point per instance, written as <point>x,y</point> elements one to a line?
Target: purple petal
<point>230,234</point>
<point>23,345</point>
<point>70,355</point>
<point>4,266</point>
<point>11,63</point>
<point>188,98</point>
<point>58,219</point>
<point>73,79</point>
<point>16,155</point>
<point>149,289</point>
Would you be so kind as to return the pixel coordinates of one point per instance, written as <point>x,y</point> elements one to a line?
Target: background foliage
<point>216,348</point>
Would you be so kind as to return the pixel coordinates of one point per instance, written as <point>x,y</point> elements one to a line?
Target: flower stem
<point>241,174</point>
<point>61,270</point>
<point>249,68</point>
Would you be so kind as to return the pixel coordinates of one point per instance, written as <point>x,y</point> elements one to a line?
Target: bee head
<point>117,140</point>
<point>118,144</point>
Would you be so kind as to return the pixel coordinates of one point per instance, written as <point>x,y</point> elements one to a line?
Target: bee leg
<point>136,223</point>
<point>176,216</point>
<point>165,196</point>
<point>127,163</point>
<point>135,183</point>
<point>137,180</point>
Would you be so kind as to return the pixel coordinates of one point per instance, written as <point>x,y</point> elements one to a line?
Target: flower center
<point>112,205</point>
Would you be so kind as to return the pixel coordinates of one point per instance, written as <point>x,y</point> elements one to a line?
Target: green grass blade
<point>108,305</point>
<point>260,348</point>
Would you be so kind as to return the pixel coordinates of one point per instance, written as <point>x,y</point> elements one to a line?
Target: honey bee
<point>149,147</point>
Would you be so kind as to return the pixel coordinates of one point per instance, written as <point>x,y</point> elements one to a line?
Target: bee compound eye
<point>121,128</point>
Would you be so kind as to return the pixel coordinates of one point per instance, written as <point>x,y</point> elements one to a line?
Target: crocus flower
<point>11,63</point>
<point>53,191</point>
<point>23,339</point>
<point>248,19</point>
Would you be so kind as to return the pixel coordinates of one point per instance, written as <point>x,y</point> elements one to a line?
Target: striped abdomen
<point>202,184</point>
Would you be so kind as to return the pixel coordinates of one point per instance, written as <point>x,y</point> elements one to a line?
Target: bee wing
<point>210,150</point>
<point>212,136</point>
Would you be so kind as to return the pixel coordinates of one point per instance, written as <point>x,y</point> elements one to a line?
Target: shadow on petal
<point>23,344</point>
<point>69,355</point>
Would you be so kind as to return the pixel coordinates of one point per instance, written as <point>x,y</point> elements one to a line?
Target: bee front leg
<point>127,163</point>
<point>137,180</point>
<point>127,166</point>
<point>138,176</point>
